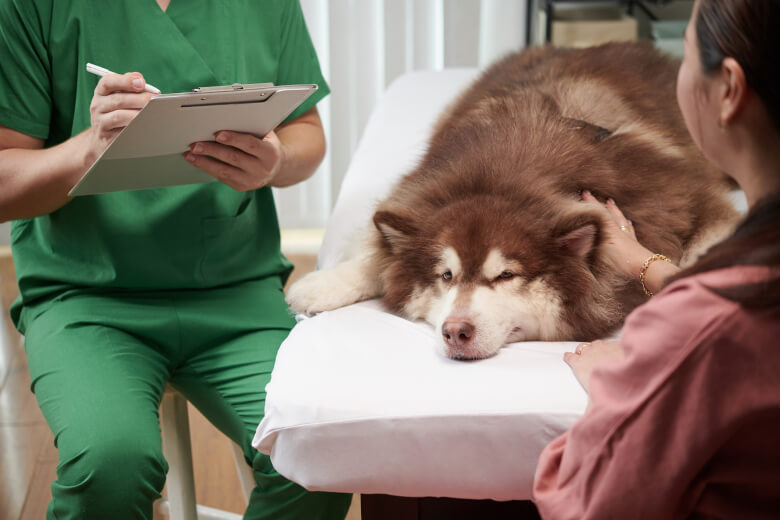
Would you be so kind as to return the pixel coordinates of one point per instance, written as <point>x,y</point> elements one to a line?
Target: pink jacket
<point>686,425</point>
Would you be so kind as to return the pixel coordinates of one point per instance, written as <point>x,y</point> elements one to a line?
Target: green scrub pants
<point>99,364</point>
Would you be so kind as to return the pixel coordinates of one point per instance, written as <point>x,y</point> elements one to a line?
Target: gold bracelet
<point>643,270</point>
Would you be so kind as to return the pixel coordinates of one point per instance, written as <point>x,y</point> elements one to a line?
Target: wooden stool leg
<point>178,452</point>
<point>245,475</point>
<point>180,503</point>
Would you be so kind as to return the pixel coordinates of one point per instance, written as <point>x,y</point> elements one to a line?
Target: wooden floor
<point>28,459</point>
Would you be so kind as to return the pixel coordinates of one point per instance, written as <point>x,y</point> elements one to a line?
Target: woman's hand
<point>624,251</point>
<point>622,248</point>
<point>117,100</point>
<point>242,161</point>
<point>587,355</point>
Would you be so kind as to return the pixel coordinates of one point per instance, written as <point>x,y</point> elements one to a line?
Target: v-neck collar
<point>186,53</point>
<point>167,7</point>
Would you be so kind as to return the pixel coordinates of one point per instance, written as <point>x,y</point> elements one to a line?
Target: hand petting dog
<point>622,248</point>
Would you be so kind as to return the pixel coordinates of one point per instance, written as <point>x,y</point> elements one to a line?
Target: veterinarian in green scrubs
<point>122,292</point>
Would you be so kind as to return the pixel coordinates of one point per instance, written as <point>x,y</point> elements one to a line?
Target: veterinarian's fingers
<point>221,171</point>
<point>225,153</point>
<point>120,101</point>
<point>267,149</point>
<point>128,82</point>
<point>247,143</point>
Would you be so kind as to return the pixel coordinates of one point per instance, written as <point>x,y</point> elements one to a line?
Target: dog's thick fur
<point>488,240</point>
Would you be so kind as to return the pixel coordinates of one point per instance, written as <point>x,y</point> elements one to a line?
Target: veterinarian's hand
<point>242,161</point>
<point>588,355</point>
<point>117,100</point>
<point>622,247</point>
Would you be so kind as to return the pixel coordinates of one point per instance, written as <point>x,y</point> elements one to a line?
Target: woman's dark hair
<point>749,32</point>
<point>755,242</point>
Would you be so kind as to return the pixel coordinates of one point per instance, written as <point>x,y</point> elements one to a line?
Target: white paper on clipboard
<point>148,153</point>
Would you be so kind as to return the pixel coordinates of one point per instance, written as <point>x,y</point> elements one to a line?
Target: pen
<point>100,71</point>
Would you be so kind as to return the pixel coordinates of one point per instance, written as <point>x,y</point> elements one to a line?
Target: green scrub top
<point>186,237</point>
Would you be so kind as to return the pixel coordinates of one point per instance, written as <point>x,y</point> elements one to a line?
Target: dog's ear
<point>578,236</point>
<point>396,229</point>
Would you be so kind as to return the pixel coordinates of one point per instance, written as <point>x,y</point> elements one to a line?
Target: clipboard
<point>148,153</point>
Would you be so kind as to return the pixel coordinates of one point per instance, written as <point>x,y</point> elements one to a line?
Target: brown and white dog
<point>487,238</point>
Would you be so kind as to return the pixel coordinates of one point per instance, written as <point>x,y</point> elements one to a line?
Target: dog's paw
<point>327,290</point>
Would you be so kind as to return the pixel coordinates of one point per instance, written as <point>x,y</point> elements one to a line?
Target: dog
<point>487,238</point>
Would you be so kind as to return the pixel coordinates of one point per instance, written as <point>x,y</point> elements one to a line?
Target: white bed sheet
<point>361,401</point>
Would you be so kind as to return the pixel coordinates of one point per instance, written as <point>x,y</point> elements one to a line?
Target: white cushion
<point>361,401</point>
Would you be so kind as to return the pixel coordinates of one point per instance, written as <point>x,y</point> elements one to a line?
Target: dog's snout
<point>457,332</point>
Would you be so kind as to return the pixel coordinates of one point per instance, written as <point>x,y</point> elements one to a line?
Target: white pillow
<point>361,401</point>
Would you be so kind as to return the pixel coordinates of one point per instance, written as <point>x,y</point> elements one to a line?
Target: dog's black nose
<point>457,332</point>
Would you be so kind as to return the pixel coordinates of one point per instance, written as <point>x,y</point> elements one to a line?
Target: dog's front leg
<point>348,282</point>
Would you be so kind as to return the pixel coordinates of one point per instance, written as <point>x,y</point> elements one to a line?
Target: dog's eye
<point>447,276</point>
<point>506,275</point>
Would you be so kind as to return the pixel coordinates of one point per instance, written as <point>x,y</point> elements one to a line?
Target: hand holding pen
<point>100,71</point>
<point>117,100</point>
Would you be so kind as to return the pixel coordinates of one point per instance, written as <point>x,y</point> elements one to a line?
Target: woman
<point>123,292</point>
<point>684,413</point>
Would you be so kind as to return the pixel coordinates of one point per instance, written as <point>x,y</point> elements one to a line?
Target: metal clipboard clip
<point>232,88</point>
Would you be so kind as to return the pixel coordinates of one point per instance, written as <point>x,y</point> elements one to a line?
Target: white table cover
<point>361,401</point>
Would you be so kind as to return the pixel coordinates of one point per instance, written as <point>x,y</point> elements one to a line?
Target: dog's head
<point>485,271</point>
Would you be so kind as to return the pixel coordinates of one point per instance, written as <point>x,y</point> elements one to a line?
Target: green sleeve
<point>298,61</point>
<point>25,87</point>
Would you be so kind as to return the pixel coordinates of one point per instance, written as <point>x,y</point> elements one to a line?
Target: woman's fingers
<point>621,246</point>
<point>617,215</point>
<point>621,221</point>
<point>588,197</point>
<point>587,355</point>
<point>617,218</point>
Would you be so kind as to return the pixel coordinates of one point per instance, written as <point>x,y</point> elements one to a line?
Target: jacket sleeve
<point>649,429</point>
